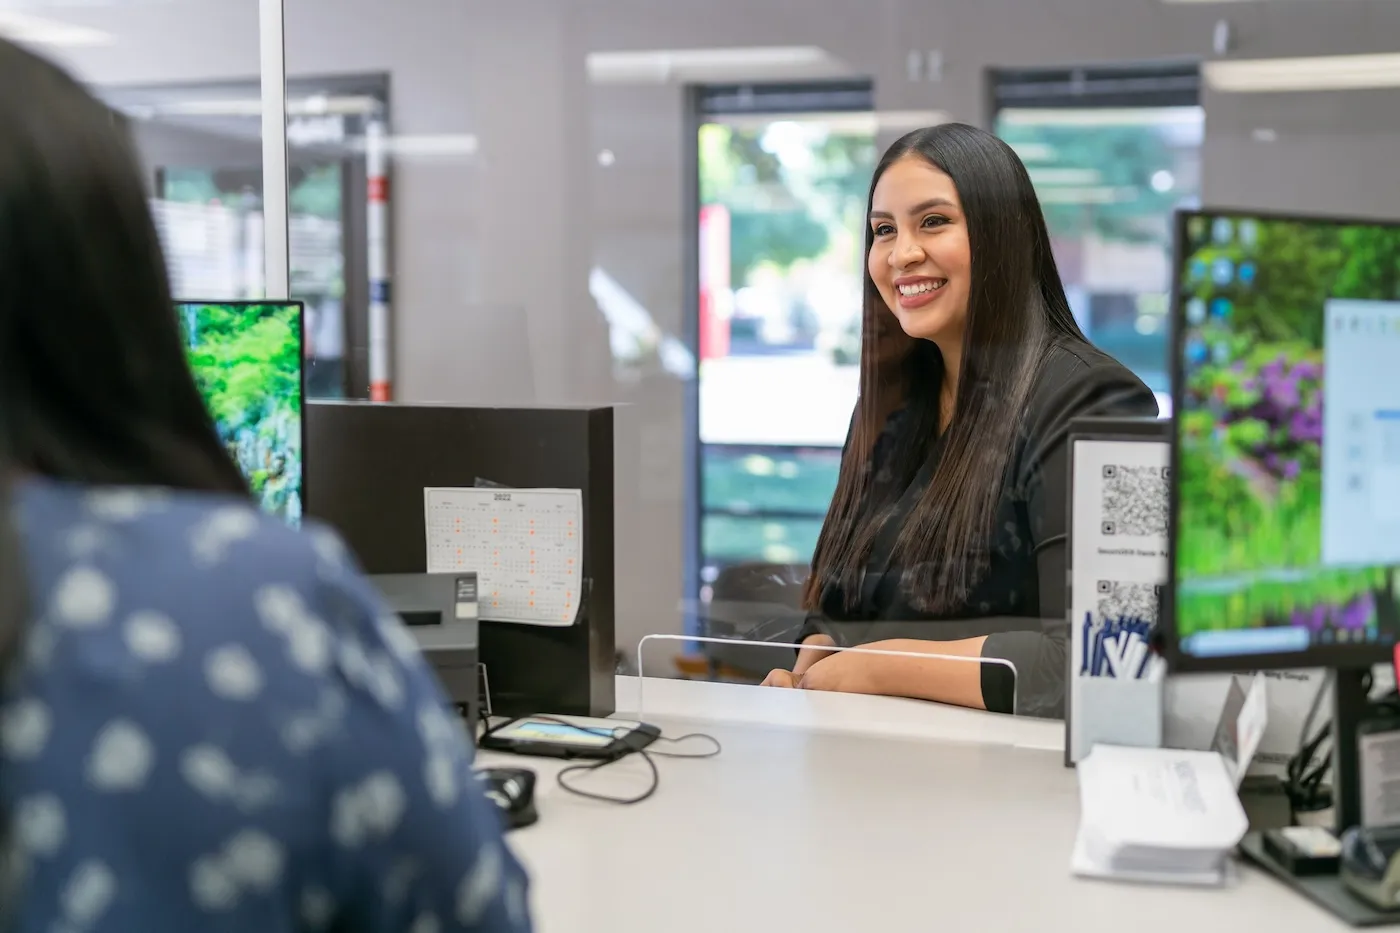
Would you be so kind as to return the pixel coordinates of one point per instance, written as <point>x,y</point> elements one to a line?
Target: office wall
<point>506,237</point>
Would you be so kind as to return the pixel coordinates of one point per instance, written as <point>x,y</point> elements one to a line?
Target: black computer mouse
<point>512,790</point>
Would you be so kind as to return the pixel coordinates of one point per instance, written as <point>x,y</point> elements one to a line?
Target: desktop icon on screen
<point>1222,271</point>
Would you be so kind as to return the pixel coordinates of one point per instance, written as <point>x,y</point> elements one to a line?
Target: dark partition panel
<point>367,466</point>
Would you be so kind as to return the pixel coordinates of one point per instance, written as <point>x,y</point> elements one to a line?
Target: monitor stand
<point>1327,891</point>
<point>1349,702</point>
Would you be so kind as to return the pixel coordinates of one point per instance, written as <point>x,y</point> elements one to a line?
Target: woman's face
<point>919,259</point>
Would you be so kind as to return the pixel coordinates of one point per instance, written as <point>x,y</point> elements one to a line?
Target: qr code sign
<point>1135,500</point>
<point>1128,601</point>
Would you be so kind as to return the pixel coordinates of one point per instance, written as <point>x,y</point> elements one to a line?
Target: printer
<point>440,612</point>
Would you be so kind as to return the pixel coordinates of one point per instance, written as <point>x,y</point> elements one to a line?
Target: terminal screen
<point>1288,505</point>
<point>247,363</point>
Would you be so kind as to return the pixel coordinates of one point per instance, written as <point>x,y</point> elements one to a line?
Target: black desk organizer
<point>1327,891</point>
<point>367,465</point>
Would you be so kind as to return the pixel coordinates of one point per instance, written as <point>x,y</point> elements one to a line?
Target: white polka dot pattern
<point>232,673</point>
<point>317,908</point>
<point>41,824</point>
<point>84,598</point>
<point>480,886</point>
<point>121,758</point>
<point>24,729</point>
<point>89,892</point>
<point>210,540</point>
<point>426,923</point>
<point>367,811</point>
<point>152,637</point>
<point>218,721</point>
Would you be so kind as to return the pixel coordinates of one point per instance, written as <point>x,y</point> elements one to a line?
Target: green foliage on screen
<point>1249,548</point>
<point>246,360</point>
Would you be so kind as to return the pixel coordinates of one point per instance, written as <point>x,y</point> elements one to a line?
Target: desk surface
<point>829,812</point>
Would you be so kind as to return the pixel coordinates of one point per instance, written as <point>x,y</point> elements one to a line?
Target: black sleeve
<point>1103,388</point>
<point>817,622</point>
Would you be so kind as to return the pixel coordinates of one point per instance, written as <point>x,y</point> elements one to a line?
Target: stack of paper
<point>1161,815</point>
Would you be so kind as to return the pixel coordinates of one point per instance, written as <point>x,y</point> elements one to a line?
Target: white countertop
<point>840,813</point>
<point>841,713</point>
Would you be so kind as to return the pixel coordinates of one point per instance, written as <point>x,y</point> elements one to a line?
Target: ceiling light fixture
<point>659,66</point>
<point>847,122</point>
<point>34,30</point>
<point>1320,73</point>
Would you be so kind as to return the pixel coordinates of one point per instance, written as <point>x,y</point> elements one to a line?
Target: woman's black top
<point>1019,603</point>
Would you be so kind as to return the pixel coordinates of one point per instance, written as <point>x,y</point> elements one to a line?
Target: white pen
<point>1132,666</point>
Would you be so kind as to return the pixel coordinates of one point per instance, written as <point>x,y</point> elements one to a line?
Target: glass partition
<point>1112,153</point>
<point>665,214</point>
<point>185,77</point>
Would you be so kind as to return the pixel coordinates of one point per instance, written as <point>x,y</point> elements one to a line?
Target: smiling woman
<point>945,538</point>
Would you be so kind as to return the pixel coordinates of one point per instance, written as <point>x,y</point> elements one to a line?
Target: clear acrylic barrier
<point>835,668</point>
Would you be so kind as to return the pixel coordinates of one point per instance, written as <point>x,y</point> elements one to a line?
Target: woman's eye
<point>935,221</point>
<point>883,229</point>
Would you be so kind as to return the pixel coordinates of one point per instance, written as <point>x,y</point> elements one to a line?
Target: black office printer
<point>445,628</point>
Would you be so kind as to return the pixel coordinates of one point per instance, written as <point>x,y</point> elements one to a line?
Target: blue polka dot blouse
<point>215,725</point>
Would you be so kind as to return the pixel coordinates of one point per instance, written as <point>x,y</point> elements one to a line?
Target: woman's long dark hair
<point>1016,308</point>
<point>93,374</point>
<point>94,384</point>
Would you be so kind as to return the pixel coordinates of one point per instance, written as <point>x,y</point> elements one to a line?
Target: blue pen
<point>1086,659</point>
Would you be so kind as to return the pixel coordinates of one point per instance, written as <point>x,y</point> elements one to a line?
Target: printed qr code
<point>1128,600</point>
<point>1135,500</point>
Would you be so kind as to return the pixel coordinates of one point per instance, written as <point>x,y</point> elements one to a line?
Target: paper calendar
<point>525,545</point>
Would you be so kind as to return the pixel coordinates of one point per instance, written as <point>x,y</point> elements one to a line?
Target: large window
<point>783,176</point>
<point>1112,153</point>
<point>202,148</point>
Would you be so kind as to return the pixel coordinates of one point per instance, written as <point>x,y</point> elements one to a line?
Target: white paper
<point>1253,720</point>
<point>1156,815</point>
<point>525,545</point>
<point>1379,753</point>
<point>1084,865</point>
<point>1192,711</point>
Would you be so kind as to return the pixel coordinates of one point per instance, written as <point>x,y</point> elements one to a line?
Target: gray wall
<point>509,234</point>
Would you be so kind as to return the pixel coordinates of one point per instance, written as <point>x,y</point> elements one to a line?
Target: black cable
<point>596,765</point>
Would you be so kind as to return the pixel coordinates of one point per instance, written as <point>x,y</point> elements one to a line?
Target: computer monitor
<point>1286,456</point>
<point>247,362</point>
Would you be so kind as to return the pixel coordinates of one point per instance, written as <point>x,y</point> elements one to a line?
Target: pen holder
<point>1110,711</point>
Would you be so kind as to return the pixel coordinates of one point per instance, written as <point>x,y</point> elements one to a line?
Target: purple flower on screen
<point>1320,617</point>
<point>1357,613</point>
<point>1283,392</point>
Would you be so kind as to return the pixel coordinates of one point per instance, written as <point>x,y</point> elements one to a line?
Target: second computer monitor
<point>1286,507</point>
<point>247,362</point>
